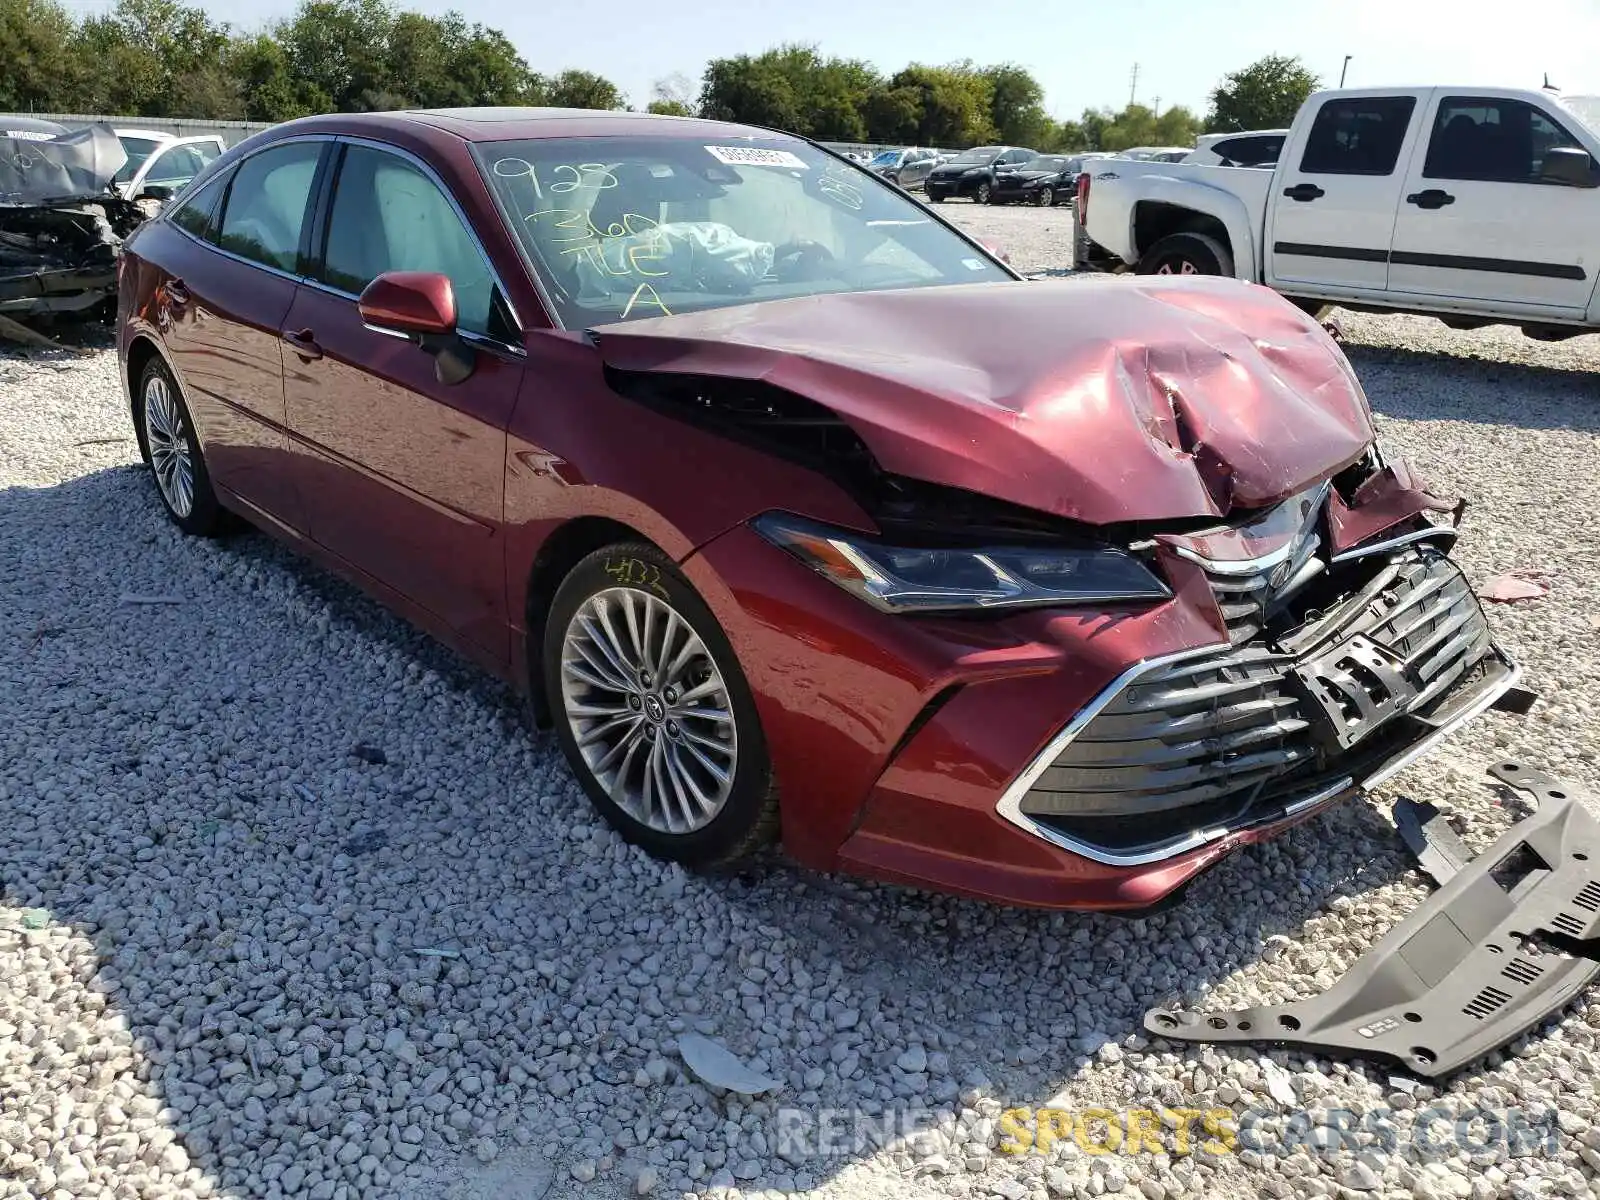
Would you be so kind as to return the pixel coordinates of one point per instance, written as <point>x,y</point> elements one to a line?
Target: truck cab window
<point>1491,140</point>
<point>1358,135</point>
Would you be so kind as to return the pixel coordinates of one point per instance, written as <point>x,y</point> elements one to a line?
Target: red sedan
<point>794,510</point>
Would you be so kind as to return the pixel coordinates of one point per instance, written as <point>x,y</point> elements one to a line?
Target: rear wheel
<point>168,443</point>
<point>1045,198</point>
<point>1187,254</point>
<point>653,712</point>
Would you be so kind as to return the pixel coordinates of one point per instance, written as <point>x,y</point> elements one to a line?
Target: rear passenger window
<point>1249,151</point>
<point>1358,136</point>
<point>1491,140</point>
<point>266,206</point>
<point>197,213</point>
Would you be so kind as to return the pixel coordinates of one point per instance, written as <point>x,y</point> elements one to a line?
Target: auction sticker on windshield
<point>752,156</point>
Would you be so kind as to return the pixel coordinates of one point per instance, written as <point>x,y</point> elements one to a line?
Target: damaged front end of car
<point>1180,598</point>
<point>1353,645</point>
<point>61,225</point>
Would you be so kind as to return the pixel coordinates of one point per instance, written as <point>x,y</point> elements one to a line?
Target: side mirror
<point>1570,166</point>
<point>420,306</point>
<point>156,191</point>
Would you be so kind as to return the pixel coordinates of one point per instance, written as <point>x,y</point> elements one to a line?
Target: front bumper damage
<point>1509,939</point>
<point>62,258</point>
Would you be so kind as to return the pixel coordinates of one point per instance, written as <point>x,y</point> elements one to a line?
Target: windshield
<point>885,158</point>
<point>138,149</point>
<point>620,228</point>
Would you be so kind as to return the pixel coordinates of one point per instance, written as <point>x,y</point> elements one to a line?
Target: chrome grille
<point>1219,732</point>
<point>1247,598</point>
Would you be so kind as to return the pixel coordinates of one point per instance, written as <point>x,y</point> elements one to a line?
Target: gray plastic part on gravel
<point>1509,938</point>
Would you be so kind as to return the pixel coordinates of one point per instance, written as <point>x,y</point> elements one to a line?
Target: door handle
<point>1304,192</point>
<point>1432,198</point>
<point>177,293</point>
<point>303,343</point>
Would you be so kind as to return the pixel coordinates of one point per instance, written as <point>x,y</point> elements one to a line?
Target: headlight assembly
<point>922,579</point>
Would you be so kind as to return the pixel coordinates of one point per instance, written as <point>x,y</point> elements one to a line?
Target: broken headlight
<point>935,579</point>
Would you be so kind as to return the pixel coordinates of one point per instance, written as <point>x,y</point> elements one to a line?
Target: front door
<point>1479,223</point>
<point>1331,213</point>
<point>404,476</point>
<point>230,255</point>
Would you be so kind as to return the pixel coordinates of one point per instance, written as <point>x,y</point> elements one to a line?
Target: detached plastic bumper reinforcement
<point>1509,938</point>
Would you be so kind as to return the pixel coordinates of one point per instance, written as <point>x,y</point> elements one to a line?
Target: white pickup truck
<point>1475,205</point>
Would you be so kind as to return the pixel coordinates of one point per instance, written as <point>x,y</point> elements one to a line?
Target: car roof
<point>514,124</point>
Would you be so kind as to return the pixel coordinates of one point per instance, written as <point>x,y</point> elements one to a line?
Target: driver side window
<point>388,215</point>
<point>266,206</point>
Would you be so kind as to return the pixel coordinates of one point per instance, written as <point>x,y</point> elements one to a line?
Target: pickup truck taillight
<point>1081,201</point>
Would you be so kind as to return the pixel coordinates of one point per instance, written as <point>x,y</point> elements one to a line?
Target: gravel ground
<point>292,904</point>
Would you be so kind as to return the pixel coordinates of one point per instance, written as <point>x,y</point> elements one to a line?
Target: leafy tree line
<point>161,58</point>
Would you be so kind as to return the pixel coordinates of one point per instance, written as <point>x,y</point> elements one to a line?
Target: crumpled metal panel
<point>1102,400</point>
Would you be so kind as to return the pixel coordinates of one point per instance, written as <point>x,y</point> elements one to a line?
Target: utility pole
<point>1344,68</point>
<point>1157,103</point>
<point>1133,85</point>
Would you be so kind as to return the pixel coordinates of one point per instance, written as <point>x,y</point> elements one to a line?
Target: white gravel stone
<point>206,978</point>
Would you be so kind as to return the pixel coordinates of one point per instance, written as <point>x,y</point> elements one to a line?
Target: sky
<point>1083,54</point>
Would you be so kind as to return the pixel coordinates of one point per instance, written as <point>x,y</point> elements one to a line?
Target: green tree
<point>953,102</point>
<point>268,87</point>
<point>583,89</point>
<point>340,48</point>
<point>41,73</point>
<point>792,88</point>
<point>673,96</point>
<point>1264,95</point>
<point>669,108</point>
<point>1016,106</point>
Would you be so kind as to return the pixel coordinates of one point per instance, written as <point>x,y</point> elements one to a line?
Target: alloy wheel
<point>649,710</point>
<point>1180,266</point>
<point>984,192</point>
<point>166,435</point>
<point>1046,197</point>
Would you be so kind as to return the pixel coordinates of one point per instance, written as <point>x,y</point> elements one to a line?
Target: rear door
<point>404,476</point>
<point>1331,212</point>
<point>230,254</point>
<point>1478,223</point>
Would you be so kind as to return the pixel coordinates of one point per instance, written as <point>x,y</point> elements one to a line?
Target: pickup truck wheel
<point>1186,254</point>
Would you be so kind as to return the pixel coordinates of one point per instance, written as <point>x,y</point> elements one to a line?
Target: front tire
<point>1046,198</point>
<point>653,711</point>
<point>984,194</point>
<point>1186,254</point>
<point>171,450</point>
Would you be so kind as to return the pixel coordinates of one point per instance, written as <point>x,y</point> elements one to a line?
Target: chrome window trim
<point>307,280</point>
<point>1010,805</point>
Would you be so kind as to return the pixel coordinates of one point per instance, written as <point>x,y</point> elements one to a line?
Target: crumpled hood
<point>1100,400</point>
<point>70,167</point>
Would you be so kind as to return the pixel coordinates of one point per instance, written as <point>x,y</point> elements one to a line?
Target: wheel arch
<point>1175,207</point>
<point>142,350</point>
<point>565,547</point>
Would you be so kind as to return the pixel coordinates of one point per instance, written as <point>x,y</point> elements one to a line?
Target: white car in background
<point>158,159</point>
<point>1252,148</point>
<point>1154,153</point>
